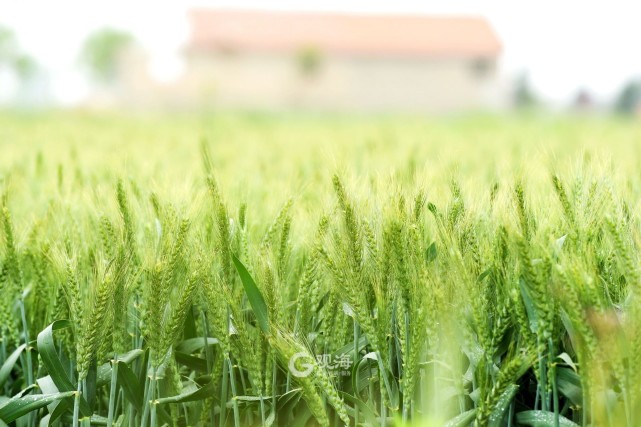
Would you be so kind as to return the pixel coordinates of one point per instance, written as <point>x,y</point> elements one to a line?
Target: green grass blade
<point>462,420</point>
<point>62,408</point>
<point>51,361</point>
<point>191,395</point>
<point>542,419</point>
<point>388,379</point>
<point>131,387</point>
<point>498,413</point>
<point>569,384</point>
<point>254,296</point>
<point>104,370</point>
<point>7,367</point>
<point>192,362</point>
<point>49,356</point>
<point>19,406</point>
<point>191,345</point>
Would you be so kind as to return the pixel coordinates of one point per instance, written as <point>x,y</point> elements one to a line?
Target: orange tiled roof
<point>366,35</point>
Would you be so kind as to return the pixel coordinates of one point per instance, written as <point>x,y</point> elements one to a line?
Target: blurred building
<point>348,62</point>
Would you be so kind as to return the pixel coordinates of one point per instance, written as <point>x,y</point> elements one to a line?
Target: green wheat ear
<point>93,331</point>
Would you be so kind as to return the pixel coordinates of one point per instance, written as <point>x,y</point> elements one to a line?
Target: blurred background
<point>432,57</point>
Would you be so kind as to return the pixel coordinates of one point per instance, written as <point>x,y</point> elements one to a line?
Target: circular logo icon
<point>304,367</point>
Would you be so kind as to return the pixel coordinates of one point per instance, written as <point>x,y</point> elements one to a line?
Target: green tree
<point>12,58</point>
<point>8,45</point>
<point>524,96</point>
<point>309,60</point>
<point>629,98</point>
<point>25,67</point>
<point>101,52</point>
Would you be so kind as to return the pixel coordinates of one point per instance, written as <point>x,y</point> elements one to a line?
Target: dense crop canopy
<point>299,271</point>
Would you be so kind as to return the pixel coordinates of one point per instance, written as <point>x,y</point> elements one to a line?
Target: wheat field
<point>239,269</point>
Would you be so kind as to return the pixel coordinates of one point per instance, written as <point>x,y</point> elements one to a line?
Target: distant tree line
<point>101,53</point>
<point>629,99</point>
<point>13,58</point>
<point>626,102</point>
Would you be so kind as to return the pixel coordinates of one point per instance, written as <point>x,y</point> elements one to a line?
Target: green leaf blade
<point>254,296</point>
<point>19,406</point>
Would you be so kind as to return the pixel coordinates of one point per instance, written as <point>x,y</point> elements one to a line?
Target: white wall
<point>341,83</point>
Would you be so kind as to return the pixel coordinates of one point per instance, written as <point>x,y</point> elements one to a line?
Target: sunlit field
<point>299,270</point>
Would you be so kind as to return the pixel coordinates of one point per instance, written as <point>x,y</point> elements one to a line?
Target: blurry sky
<point>564,44</point>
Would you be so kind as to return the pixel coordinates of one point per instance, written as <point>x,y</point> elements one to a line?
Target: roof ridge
<point>356,34</point>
